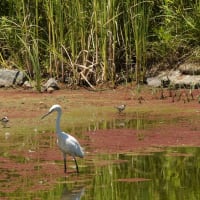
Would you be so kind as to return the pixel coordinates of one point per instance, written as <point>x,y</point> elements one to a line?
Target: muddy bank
<point>126,140</point>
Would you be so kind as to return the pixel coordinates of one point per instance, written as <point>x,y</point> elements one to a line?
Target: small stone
<point>50,89</point>
<point>27,85</point>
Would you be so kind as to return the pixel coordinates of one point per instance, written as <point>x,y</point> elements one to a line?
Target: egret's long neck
<point>58,130</point>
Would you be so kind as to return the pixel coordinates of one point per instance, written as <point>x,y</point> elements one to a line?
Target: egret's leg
<point>65,164</point>
<point>77,170</point>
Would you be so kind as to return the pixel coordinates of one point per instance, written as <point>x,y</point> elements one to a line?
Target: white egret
<point>120,108</point>
<point>67,143</point>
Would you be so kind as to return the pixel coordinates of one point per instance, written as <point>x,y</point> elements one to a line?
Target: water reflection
<point>138,121</point>
<point>163,173</point>
<point>169,174</point>
<point>72,194</point>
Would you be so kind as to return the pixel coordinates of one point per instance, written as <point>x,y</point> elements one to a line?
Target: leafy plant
<point>93,41</point>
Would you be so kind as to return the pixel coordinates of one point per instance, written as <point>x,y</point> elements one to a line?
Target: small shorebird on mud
<point>120,108</point>
<point>4,121</point>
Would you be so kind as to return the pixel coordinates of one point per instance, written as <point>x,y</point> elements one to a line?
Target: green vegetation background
<point>90,42</point>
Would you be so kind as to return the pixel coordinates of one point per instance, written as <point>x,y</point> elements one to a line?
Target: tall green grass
<point>140,13</point>
<point>93,42</point>
<point>20,35</point>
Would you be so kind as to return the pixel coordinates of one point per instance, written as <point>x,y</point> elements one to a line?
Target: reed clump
<point>94,42</point>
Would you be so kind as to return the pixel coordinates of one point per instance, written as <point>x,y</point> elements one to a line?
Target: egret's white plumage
<point>67,143</point>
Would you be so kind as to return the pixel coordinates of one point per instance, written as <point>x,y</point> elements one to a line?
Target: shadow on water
<point>164,173</point>
<point>71,194</point>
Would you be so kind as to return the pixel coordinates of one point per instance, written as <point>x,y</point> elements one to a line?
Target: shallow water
<point>31,168</point>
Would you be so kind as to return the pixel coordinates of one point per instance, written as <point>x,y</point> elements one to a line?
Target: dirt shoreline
<point>178,134</point>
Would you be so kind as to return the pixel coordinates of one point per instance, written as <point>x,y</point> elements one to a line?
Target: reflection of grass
<point>172,172</point>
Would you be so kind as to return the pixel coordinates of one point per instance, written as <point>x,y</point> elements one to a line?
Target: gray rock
<point>51,83</point>
<point>190,68</point>
<point>11,77</point>
<point>175,78</point>
<point>154,81</point>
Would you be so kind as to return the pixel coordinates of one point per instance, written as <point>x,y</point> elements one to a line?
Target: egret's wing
<point>70,145</point>
<point>77,149</point>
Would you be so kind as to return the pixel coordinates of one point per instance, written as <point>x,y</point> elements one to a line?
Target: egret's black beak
<point>45,115</point>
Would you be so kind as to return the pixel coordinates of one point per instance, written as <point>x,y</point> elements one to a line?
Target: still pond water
<point>161,174</point>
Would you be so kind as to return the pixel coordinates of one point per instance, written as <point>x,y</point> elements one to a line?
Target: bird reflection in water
<point>74,194</point>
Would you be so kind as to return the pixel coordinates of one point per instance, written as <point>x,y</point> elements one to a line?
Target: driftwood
<point>85,72</point>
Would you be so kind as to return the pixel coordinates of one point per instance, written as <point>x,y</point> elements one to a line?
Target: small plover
<point>120,108</point>
<point>4,121</point>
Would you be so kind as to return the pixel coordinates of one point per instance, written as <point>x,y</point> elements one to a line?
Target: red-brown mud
<point>127,140</point>
<point>45,164</point>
